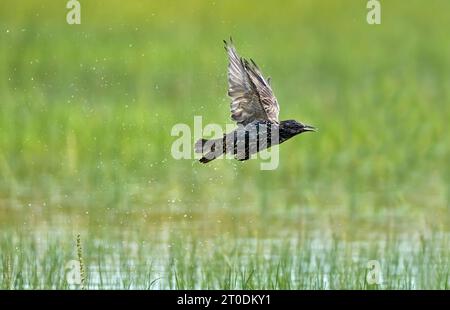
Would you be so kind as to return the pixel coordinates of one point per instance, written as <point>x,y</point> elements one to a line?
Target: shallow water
<point>254,250</point>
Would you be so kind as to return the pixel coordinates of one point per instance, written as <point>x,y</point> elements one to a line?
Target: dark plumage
<point>255,109</point>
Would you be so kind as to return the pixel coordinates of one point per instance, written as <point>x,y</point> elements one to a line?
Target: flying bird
<point>255,109</point>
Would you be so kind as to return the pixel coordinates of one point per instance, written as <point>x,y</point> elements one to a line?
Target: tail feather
<point>198,147</point>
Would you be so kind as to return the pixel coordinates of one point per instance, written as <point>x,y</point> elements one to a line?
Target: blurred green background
<point>86,112</point>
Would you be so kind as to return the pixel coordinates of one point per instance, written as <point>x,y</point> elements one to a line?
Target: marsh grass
<point>81,262</point>
<point>233,264</point>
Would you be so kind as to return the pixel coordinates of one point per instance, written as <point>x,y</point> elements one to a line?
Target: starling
<point>255,110</point>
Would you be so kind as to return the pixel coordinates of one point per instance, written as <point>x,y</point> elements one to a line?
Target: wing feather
<point>251,95</point>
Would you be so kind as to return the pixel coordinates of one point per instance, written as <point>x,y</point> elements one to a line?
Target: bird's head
<point>292,127</point>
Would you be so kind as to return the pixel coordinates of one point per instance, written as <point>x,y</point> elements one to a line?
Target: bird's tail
<point>207,158</point>
<point>209,148</point>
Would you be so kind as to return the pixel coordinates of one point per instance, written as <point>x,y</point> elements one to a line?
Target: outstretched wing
<point>251,95</point>
<point>266,97</point>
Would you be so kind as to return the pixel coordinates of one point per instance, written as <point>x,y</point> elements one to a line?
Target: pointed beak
<point>309,128</point>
